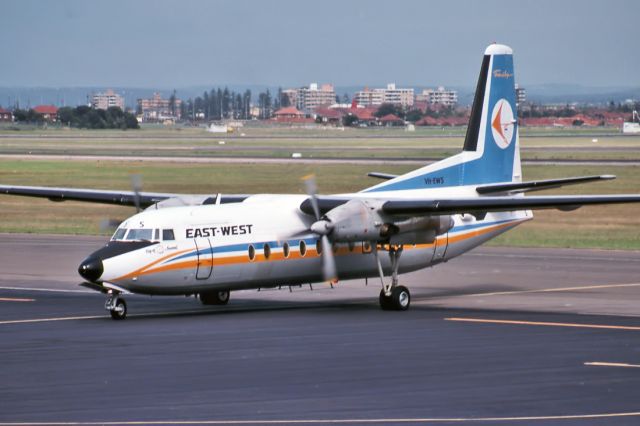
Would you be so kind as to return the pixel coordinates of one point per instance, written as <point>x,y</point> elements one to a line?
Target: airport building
<point>390,95</point>
<point>5,115</point>
<point>106,100</point>
<point>158,109</point>
<point>521,95</point>
<point>309,98</point>
<point>439,96</point>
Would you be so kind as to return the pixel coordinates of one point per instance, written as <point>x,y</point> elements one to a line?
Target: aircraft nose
<point>91,268</point>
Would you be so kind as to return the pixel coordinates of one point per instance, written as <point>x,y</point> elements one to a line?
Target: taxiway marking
<point>551,290</point>
<point>338,421</point>
<point>55,290</point>
<point>612,364</point>
<point>14,299</point>
<point>547,324</point>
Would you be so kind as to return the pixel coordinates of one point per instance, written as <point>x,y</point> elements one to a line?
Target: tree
<point>346,99</point>
<point>386,109</point>
<point>285,102</point>
<point>172,103</point>
<point>414,115</point>
<point>349,120</point>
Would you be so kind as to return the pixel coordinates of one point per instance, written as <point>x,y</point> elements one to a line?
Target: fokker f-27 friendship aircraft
<point>210,245</point>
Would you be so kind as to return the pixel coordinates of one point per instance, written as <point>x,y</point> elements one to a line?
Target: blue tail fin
<point>491,146</point>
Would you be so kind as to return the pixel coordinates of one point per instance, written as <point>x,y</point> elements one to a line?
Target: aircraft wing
<point>497,204</point>
<point>439,206</point>
<point>123,198</point>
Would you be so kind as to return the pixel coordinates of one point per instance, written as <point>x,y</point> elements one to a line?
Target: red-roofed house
<point>5,116</point>
<point>391,120</point>
<point>290,115</point>
<point>49,112</point>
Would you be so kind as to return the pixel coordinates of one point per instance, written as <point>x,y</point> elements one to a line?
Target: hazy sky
<point>293,42</point>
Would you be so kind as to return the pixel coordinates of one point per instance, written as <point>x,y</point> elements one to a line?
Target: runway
<point>497,336</point>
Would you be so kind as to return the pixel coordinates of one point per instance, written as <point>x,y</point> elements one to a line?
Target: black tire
<point>385,301</point>
<point>215,297</point>
<point>400,298</point>
<point>120,312</point>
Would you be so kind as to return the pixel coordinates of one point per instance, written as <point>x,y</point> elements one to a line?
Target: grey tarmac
<point>497,336</point>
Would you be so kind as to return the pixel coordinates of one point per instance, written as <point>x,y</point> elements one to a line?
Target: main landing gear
<point>393,297</point>
<point>215,297</point>
<point>116,305</point>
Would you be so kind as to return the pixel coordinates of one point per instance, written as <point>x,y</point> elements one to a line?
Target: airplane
<point>210,245</point>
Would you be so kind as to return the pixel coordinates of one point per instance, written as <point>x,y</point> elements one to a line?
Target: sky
<point>289,43</point>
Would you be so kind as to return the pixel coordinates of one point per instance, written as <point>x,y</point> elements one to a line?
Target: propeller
<point>323,228</point>
<point>136,186</point>
<point>109,225</point>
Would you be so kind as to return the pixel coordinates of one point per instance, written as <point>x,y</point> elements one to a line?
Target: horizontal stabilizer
<point>381,175</point>
<point>537,185</point>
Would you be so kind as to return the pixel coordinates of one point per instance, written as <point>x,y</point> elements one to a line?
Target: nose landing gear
<point>116,306</point>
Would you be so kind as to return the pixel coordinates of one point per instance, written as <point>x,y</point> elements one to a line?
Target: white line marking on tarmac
<point>612,364</point>
<point>547,324</point>
<point>13,299</point>
<point>56,290</point>
<point>338,421</point>
<point>551,290</point>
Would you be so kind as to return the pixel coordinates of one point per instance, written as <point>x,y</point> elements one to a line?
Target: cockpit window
<point>119,234</point>
<point>140,234</point>
<point>167,235</point>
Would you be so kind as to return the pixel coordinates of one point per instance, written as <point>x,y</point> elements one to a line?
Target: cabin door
<point>205,258</point>
<point>442,241</point>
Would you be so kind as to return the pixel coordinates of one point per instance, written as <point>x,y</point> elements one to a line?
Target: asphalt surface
<point>498,336</point>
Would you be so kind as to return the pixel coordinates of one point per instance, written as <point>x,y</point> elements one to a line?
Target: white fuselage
<point>262,242</point>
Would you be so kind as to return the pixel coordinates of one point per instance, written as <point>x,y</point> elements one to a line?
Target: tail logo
<point>502,123</point>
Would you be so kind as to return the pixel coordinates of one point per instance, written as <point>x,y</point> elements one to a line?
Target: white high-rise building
<point>390,95</point>
<point>106,100</point>
<point>438,96</point>
<point>309,98</point>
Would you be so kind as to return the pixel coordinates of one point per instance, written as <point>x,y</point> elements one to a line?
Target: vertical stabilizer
<point>491,145</point>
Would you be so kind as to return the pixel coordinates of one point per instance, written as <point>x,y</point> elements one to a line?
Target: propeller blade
<point>136,185</point>
<point>329,272</point>
<point>109,225</point>
<point>312,190</point>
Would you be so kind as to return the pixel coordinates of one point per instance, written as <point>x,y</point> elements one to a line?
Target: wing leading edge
<point>479,204</point>
<point>123,198</point>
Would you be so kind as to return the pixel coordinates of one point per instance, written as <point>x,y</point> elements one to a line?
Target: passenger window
<point>303,248</point>
<point>319,247</point>
<point>285,249</point>
<point>167,235</point>
<point>252,253</point>
<point>267,251</point>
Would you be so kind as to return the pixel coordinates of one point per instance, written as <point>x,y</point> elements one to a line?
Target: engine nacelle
<point>356,220</point>
<point>417,230</point>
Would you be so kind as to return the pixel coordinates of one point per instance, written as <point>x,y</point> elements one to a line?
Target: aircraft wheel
<point>215,297</point>
<point>119,311</point>
<point>386,302</point>
<point>401,298</point>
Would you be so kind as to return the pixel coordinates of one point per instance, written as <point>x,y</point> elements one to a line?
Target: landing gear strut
<point>116,306</point>
<point>393,297</point>
<point>215,297</point>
